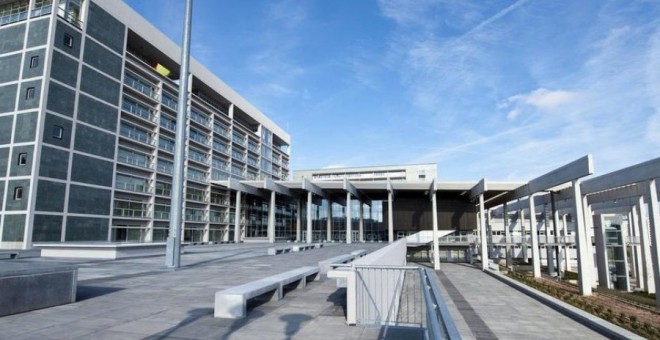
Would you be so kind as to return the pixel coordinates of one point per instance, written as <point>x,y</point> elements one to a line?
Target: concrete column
<point>549,258</point>
<point>507,236</point>
<point>225,235</point>
<point>309,217</point>
<point>639,269</point>
<point>601,252</point>
<point>328,224</point>
<point>436,246</point>
<point>361,223</point>
<point>237,218</point>
<point>349,222</point>
<point>624,241</point>
<point>298,219</point>
<point>584,272</point>
<point>271,218</point>
<point>390,219</point>
<point>536,254</point>
<point>555,230</point>
<point>644,241</point>
<point>483,236</point>
<point>523,235</point>
<point>654,219</point>
<point>589,248</point>
<point>567,262</point>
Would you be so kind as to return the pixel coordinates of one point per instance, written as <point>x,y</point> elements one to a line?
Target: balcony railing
<point>161,215</point>
<point>199,118</point>
<point>133,160</point>
<point>200,139</point>
<point>135,134</point>
<point>238,140</point>
<point>195,218</point>
<point>132,187</point>
<point>125,212</point>
<point>137,109</point>
<point>196,177</point>
<point>166,168</point>
<point>140,85</point>
<point>221,130</point>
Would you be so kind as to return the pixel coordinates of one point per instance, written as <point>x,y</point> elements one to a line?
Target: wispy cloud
<point>502,111</point>
<point>539,99</point>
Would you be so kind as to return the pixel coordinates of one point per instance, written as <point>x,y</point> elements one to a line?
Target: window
<point>34,61</point>
<point>18,193</point>
<point>58,132</point>
<point>29,93</point>
<point>68,40</point>
<point>22,158</point>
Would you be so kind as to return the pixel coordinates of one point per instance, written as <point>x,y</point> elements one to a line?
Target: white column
<point>309,217</point>
<point>624,240</point>
<point>328,224</point>
<point>271,218</point>
<point>639,269</point>
<point>523,235</point>
<point>584,272</point>
<point>237,218</point>
<point>549,253</point>
<point>298,219</point>
<point>507,236</point>
<point>556,250</point>
<point>436,246</point>
<point>601,252</point>
<point>654,219</point>
<point>536,254</point>
<point>361,223</point>
<point>484,238</point>
<point>390,219</point>
<point>567,262</point>
<point>589,250</point>
<point>647,267</point>
<point>349,222</point>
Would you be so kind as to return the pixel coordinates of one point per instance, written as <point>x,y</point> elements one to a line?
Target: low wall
<point>100,250</point>
<point>30,286</point>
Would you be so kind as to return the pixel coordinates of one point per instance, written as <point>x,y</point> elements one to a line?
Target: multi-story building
<point>88,109</point>
<point>408,172</point>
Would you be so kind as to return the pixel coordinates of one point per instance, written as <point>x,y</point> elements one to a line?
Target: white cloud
<point>541,99</point>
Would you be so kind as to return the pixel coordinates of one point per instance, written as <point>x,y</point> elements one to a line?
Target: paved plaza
<point>140,299</point>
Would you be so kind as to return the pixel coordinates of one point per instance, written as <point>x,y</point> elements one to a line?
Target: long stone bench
<point>232,302</point>
<point>279,250</point>
<point>8,255</point>
<point>326,265</point>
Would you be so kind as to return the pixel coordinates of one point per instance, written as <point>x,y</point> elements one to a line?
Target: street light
<point>173,252</point>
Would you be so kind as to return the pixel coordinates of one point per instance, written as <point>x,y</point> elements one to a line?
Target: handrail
<point>440,325</point>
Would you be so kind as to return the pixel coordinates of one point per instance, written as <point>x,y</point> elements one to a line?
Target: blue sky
<point>506,90</point>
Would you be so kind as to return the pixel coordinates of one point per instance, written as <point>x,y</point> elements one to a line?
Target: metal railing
<point>402,296</point>
<point>380,293</point>
<point>438,320</point>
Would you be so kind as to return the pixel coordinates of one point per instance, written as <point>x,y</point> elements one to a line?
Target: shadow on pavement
<point>88,292</point>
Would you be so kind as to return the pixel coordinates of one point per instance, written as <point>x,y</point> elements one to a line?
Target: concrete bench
<point>318,245</point>
<point>326,265</point>
<point>8,255</point>
<point>303,247</point>
<point>359,252</point>
<point>232,302</point>
<point>278,250</point>
<point>299,276</point>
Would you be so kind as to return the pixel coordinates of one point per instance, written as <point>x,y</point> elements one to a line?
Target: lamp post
<point>173,252</point>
